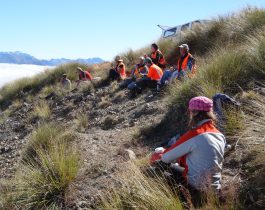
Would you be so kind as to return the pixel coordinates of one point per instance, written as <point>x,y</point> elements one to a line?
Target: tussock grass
<point>49,166</point>
<point>42,110</point>
<point>109,122</point>
<point>104,103</point>
<point>140,192</point>
<point>43,138</point>
<point>82,122</point>
<point>39,185</point>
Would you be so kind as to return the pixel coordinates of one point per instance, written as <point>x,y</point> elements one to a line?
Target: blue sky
<point>98,28</point>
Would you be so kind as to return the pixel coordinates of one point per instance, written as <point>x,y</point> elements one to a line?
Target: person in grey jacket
<point>200,151</point>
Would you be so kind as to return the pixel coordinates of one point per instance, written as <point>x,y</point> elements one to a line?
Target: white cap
<point>159,150</point>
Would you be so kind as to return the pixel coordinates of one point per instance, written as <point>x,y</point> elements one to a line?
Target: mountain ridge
<point>18,57</point>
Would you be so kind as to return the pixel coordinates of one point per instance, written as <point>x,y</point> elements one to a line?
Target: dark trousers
<point>146,83</point>
<point>114,75</point>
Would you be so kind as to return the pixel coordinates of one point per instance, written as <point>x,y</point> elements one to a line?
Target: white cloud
<point>10,72</point>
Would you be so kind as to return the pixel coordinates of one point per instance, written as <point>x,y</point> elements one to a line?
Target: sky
<point>98,28</point>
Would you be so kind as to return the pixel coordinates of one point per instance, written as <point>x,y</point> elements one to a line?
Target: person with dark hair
<point>200,151</point>
<point>65,82</point>
<point>157,56</point>
<point>118,72</point>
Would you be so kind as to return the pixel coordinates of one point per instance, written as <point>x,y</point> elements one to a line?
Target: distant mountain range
<point>24,58</point>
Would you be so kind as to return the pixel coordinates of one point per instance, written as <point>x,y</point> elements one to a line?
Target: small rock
<point>131,154</point>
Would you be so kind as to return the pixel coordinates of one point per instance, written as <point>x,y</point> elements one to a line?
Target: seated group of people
<point>150,71</point>
<point>198,154</point>
<point>83,77</point>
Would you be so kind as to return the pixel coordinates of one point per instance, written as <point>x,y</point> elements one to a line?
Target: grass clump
<point>43,183</point>
<point>42,110</point>
<point>109,122</point>
<point>49,166</point>
<point>43,138</point>
<point>137,191</point>
<point>82,122</point>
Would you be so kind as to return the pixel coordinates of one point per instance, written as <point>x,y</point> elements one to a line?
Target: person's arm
<point>158,56</point>
<point>191,63</point>
<point>177,150</point>
<point>150,73</point>
<point>69,85</point>
<point>144,71</point>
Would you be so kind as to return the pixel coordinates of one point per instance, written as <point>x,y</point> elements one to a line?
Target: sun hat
<point>141,58</point>
<point>200,103</point>
<point>117,58</point>
<point>185,46</point>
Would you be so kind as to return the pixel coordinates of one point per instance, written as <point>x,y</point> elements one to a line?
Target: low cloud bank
<point>11,72</point>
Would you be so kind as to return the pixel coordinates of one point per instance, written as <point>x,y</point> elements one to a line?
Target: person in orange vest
<point>119,71</point>
<point>185,65</point>
<point>157,56</point>
<point>199,152</point>
<point>152,80</point>
<point>139,71</point>
<point>83,76</point>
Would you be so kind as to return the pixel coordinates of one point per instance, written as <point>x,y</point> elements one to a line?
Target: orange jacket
<point>161,61</point>
<point>155,72</point>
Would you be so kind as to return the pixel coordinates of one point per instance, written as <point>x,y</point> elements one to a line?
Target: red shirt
<point>85,75</point>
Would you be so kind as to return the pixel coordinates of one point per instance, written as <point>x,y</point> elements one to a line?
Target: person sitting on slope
<point>65,82</point>
<point>83,76</point>
<point>152,80</point>
<point>157,56</point>
<point>139,71</point>
<point>200,151</point>
<point>118,72</point>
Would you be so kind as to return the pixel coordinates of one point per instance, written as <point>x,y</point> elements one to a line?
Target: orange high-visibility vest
<point>184,63</point>
<point>155,72</point>
<point>162,60</point>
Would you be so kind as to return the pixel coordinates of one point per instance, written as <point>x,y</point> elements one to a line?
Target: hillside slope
<point>106,126</point>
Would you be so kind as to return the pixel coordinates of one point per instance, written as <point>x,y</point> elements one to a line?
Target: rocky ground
<point>106,142</point>
<point>113,121</point>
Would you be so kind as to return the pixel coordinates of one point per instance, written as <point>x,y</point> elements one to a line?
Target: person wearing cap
<point>139,71</point>
<point>186,63</point>
<point>152,80</point>
<point>118,72</point>
<point>200,151</point>
<point>83,76</point>
<point>65,82</point>
<point>157,56</point>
